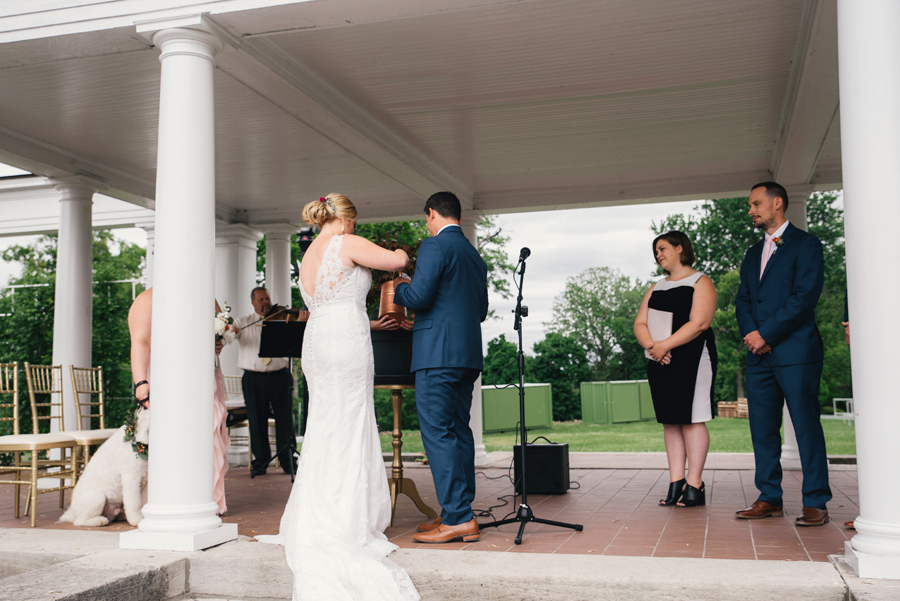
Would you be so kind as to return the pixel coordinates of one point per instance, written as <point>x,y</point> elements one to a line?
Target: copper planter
<point>387,306</point>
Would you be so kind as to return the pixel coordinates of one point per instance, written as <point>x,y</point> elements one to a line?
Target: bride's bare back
<point>355,250</point>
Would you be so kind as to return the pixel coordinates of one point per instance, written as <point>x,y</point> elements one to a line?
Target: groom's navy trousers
<point>446,399</point>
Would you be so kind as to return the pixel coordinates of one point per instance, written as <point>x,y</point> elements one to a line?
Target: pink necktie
<point>765,256</point>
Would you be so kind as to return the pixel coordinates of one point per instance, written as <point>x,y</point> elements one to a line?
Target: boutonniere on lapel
<point>778,242</point>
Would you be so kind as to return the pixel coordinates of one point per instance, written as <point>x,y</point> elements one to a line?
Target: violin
<point>277,312</point>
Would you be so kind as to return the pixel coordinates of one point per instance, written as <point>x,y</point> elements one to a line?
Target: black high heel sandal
<point>693,497</point>
<point>676,489</point>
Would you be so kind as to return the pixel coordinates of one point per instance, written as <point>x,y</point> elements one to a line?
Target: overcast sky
<point>562,243</point>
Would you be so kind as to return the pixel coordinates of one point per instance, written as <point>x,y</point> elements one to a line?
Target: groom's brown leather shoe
<point>812,516</point>
<point>467,532</point>
<point>759,510</point>
<point>429,526</point>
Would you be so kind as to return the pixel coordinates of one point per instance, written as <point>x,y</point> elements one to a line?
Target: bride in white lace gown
<point>333,526</point>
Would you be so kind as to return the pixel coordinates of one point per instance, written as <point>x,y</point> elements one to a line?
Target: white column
<point>278,261</point>
<point>235,278</point>
<point>869,64</point>
<point>180,514</point>
<point>476,420</point>
<point>72,307</point>
<point>150,229</point>
<point>796,214</point>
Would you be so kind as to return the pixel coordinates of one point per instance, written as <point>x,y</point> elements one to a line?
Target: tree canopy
<point>597,309</point>
<point>26,311</point>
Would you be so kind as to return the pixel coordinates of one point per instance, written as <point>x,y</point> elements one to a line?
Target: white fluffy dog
<point>114,479</point>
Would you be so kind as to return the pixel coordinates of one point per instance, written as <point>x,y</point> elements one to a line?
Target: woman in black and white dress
<point>673,326</point>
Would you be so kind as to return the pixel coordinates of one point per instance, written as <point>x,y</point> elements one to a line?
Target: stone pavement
<point>672,553</point>
<point>614,496</point>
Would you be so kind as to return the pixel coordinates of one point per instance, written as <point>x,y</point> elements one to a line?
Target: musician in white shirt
<point>267,382</point>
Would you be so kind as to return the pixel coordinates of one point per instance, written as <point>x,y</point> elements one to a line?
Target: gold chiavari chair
<point>28,472</point>
<point>87,382</point>
<point>234,388</point>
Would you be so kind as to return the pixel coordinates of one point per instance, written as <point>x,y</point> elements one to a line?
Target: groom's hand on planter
<point>385,323</point>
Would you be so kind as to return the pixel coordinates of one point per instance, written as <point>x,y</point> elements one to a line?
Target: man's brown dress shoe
<point>429,526</point>
<point>467,532</point>
<point>849,525</point>
<point>759,510</point>
<point>812,516</point>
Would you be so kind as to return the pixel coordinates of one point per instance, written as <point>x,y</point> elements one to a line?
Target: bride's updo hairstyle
<point>319,212</point>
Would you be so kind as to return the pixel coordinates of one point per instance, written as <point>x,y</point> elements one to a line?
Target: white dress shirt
<point>248,351</point>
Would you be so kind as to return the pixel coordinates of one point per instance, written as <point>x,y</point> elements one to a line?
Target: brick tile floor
<point>618,508</point>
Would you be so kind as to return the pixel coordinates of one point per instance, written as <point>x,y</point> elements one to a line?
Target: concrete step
<point>249,570</point>
<point>88,566</point>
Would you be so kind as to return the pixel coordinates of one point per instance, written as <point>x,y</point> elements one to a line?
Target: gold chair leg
<point>17,486</point>
<point>33,500</point>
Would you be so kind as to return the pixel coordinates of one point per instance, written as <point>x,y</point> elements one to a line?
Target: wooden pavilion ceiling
<point>515,105</point>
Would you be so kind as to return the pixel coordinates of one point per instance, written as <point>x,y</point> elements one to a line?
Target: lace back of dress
<point>332,274</point>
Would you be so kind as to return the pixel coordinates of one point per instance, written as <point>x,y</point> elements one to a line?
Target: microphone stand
<point>524,513</point>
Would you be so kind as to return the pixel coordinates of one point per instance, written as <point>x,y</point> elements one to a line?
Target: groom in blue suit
<point>449,296</point>
<point>781,280</point>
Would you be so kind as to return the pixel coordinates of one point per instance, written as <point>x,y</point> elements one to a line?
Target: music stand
<point>281,339</point>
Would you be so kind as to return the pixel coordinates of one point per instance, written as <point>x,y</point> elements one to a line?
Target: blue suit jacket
<point>781,304</point>
<point>449,296</point>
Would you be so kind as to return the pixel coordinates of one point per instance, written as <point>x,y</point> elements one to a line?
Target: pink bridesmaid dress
<point>221,442</point>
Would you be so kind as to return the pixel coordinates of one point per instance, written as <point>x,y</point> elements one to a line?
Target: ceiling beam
<point>714,185</point>
<point>47,160</point>
<point>811,103</point>
<point>262,67</point>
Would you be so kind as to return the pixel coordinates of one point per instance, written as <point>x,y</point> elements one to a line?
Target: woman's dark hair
<point>676,238</point>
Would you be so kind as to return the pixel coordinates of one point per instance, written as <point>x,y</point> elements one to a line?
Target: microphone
<point>524,253</point>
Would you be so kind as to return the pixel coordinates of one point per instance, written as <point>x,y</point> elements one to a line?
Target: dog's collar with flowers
<point>140,449</point>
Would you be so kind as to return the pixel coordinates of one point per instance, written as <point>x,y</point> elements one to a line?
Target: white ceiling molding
<point>812,100</point>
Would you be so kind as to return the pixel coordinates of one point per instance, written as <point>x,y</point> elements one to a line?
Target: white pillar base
<point>868,565</point>
<point>186,528</point>
<point>482,457</point>
<point>238,458</point>
<point>178,541</point>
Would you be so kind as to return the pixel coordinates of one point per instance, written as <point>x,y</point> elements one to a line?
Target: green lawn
<point>726,436</point>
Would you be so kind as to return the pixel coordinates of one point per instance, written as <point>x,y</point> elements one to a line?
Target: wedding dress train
<point>333,526</point>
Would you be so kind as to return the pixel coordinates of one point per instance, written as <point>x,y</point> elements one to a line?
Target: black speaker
<point>547,466</point>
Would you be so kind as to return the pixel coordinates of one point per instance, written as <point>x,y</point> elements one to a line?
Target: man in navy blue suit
<point>781,280</point>
<point>449,296</point>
